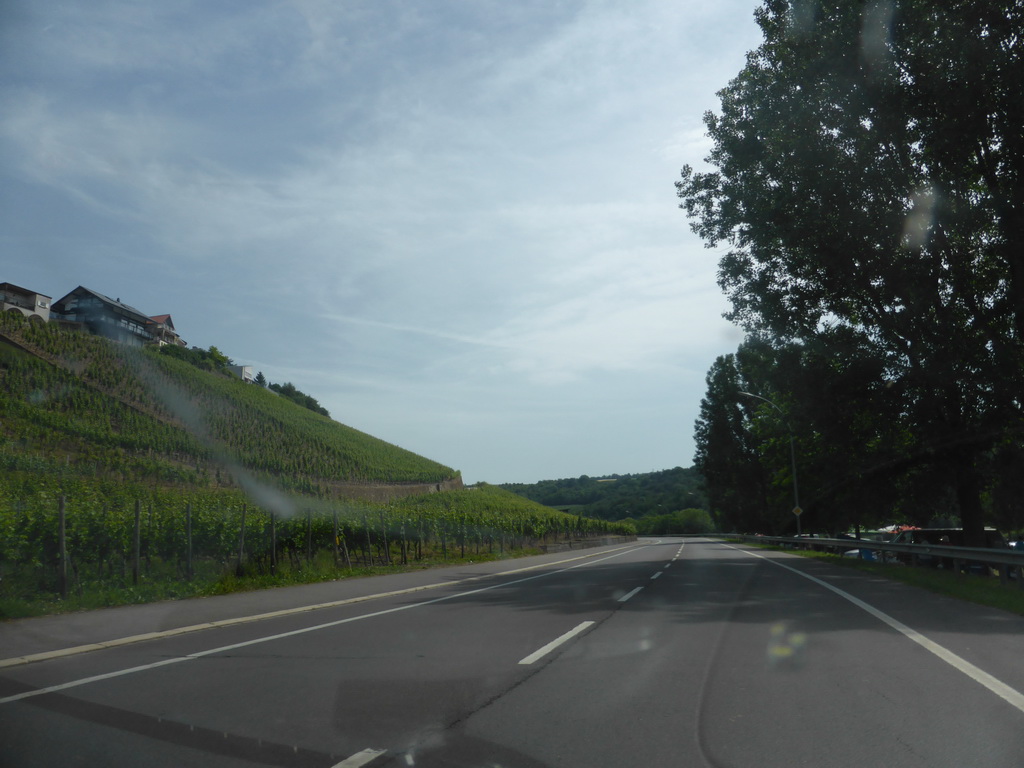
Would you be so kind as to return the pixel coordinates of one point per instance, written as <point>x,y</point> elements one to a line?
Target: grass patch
<point>983,590</point>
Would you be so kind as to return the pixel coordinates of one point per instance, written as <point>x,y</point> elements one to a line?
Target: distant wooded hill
<point>617,497</point>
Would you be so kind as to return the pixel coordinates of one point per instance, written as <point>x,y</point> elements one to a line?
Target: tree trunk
<point>968,496</point>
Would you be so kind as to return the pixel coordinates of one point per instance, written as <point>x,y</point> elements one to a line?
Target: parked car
<point>863,542</point>
<point>950,537</point>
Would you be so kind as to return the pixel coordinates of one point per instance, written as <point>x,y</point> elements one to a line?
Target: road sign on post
<point>797,511</point>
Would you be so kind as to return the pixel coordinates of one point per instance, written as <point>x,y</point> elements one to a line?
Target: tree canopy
<point>211,359</point>
<point>869,184</point>
<point>614,497</point>
<point>301,398</point>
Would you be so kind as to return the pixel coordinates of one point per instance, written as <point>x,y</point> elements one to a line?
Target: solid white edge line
<point>15,661</point>
<point>1012,696</point>
<point>301,631</point>
<point>359,759</point>
<point>628,595</point>
<point>542,652</point>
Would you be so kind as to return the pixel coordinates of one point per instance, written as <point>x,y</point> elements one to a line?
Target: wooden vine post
<point>149,540</point>
<point>405,545</point>
<point>241,543</point>
<point>340,538</point>
<point>62,549</point>
<point>273,543</point>
<point>136,542</point>
<point>309,536</point>
<point>386,552</point>
<point>334,540</point>
<point>369,551</point>
<point>188,541</point>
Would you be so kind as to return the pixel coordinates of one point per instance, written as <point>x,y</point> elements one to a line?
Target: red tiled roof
<point>163,320</point>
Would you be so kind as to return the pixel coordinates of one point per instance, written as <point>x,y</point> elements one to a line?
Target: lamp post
<point>792,456</point>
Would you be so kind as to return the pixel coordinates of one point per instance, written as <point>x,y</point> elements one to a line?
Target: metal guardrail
<point>1009,562</point>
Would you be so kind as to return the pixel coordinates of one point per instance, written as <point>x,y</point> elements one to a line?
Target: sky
<point>452,223</point>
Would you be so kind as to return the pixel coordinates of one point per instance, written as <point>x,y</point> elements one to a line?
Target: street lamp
<point>792,456</point>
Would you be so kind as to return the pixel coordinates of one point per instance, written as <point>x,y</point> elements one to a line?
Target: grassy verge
<point>214,579</point>
<point>982,590</point>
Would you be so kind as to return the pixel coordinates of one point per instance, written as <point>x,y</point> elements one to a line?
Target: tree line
<point>867,182</point>
<point>617,497</point>
<point>215,361</point>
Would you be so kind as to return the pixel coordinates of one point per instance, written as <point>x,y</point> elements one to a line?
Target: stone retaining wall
<point>382,493</point>
<point>588,543</point>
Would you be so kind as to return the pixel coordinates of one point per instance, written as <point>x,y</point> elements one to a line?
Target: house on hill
<point>162,328</point>
<point>244,372</point>
<point>111,318</point>
<point>25,302</point>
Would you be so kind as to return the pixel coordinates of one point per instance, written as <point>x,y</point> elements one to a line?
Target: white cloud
<point>457,220</point>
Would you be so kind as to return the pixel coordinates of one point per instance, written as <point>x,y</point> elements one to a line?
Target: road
<point>668,652</point>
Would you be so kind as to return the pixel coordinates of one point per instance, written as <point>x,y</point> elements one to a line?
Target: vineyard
<point>100,404</point>
<point>127,475</point>
<point>61,538</point>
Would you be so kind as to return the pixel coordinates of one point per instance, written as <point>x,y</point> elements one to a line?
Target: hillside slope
<point>127,475</point>
<point>103,409</point>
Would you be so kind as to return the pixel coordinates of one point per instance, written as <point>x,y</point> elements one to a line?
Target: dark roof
<point>23,290</point>
<point>115,303</point>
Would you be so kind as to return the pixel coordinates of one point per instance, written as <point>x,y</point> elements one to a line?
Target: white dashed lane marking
<point>542,652</point>
<point>360,759</point>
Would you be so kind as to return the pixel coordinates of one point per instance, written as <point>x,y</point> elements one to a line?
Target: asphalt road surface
<point>663,653</point>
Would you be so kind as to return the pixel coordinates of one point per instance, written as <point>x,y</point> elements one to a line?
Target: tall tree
<point>726,454</point>
<point>870,179</point>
